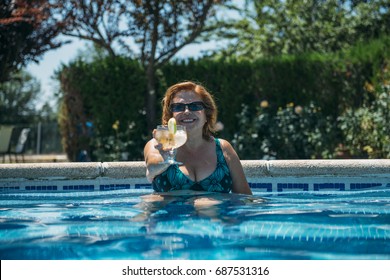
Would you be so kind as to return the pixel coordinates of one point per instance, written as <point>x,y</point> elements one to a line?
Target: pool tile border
<point>268,176</point>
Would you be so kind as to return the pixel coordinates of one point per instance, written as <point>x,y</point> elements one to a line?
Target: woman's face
<point>192,120</point>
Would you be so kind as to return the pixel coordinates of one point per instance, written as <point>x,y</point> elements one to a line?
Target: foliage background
<point>293,79</point>
<point>327,91</point>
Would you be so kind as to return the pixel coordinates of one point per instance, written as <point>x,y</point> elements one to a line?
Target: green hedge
<point>112,92</point>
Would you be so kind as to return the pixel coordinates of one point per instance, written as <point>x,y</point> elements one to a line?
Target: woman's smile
<point>187,120</point>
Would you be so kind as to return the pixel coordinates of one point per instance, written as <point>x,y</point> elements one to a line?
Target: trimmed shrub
<point>103,110</point>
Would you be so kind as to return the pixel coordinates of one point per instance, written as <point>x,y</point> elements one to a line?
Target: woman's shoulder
<point>227,148</point>
<point>223,142</point>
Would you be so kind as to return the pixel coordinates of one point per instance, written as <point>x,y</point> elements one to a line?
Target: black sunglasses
<point>181,107</point>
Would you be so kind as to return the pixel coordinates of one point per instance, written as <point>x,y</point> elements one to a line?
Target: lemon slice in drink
<point>172,128</point>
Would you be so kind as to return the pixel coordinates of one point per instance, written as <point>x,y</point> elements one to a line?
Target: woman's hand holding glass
<point>169,142</point>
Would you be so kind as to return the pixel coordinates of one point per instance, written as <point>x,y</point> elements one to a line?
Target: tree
<point>157,28</point>
<point>18,98</point>
<point>291,27</point>
<point>27,30</point>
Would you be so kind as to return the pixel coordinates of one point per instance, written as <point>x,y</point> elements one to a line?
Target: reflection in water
<point>191,204</point>
<point>189,223</point>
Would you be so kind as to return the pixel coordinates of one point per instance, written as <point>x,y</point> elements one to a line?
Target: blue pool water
<point>136,224</point>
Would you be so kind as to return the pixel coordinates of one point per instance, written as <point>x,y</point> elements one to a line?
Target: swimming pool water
<point>136,224</point>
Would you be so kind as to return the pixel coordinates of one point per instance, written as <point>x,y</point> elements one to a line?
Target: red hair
<point>210,110</point>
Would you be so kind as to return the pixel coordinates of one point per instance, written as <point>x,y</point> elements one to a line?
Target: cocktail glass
<point>171,141</point>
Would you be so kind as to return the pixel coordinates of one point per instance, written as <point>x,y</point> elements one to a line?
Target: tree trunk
<point>151,98</point>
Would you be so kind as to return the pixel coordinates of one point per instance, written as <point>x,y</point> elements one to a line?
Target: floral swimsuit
<point>174,179</point>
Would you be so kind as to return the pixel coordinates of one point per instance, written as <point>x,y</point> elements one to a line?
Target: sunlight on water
<point>136,224</point>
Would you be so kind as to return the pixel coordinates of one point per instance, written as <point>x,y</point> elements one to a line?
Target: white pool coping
<point>252,168</point>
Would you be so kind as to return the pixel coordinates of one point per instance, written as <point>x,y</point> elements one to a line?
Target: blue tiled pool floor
<point>137,224</point>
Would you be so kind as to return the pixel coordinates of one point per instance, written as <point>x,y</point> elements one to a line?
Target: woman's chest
<point>198,167</point>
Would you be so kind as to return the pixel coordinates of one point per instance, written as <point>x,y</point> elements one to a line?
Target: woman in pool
<point>209,164</point>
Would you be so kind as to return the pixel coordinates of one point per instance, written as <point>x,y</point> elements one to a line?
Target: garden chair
<point>5,139</point>
<point>20,145</point>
